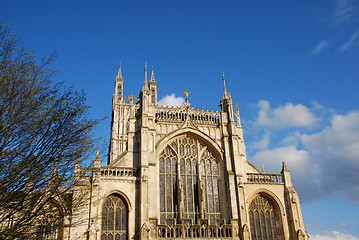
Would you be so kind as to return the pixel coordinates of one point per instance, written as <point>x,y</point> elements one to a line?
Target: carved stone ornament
<point>145,229</point>
<point>300,234</point>
<point>245,228</point>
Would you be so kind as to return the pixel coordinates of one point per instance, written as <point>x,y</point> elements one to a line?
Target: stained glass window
<point>264,220</point>
<point>188,182</point>
<point>114,219</point>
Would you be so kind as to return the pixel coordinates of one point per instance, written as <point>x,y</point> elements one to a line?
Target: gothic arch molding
<point>50,220</point>
<point>269,194</point>
<point>265,215</point>
<point>216,149</point>
<point>114,212</point>
<point>189,173</point>
<point>59,203</point>
<point>119,193</point>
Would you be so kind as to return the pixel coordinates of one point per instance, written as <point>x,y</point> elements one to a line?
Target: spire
<point>225,93</point>
<point>226,101</point>
<point>153,75</point>
<point>146,70</point>
<point>145,83</point>
<point>238,115</point>
<point>237,109</point>
<point>153,87</point>
<point>119,73</point>
<point>118,94</point>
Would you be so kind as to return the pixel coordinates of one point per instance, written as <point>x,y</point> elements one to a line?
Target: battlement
<point>180,114</point>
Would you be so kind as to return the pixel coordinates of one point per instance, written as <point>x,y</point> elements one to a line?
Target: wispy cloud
<point>343,11</point>
<point>171,101</point>
<point>333,235</point>
<point>320,47</point>
<point>353,41</point>
<point>323,227</point>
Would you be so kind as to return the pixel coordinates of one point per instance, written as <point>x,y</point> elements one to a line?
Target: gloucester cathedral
<point>180,173</point>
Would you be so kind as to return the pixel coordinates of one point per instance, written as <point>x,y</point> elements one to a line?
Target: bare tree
<point>44,130</point>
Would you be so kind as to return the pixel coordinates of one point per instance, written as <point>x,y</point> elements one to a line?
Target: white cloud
<point>320,47</point>
<point>289,115</point>
<point>335,150</point>
<point>319,146</point>
<point>333,235</point>
<point>353,41</point>
<point>171,101</point>
<point>291,139</point>
<point>262,143</point>
<point>343,11</point>
<point>294,159</point>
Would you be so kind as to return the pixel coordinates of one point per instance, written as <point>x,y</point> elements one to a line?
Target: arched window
<point>264,220</point>
<point>114,219</point>
<point>188,182</point>
<point>49,225</point>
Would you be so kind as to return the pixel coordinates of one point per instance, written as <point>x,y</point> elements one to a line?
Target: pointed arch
<point>188,177</point>
<point>114,217</point>
<point>216,149</point>
<point>265,216</point>
<point>50,220</point>
<point>120,193</point>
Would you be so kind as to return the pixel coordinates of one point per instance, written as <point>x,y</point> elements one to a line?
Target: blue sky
<point>292,67</point>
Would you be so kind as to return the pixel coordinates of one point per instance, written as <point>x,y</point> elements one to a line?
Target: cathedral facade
<point>180,173</point>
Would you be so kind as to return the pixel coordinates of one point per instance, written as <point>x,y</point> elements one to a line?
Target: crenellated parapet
<point>181,114</point>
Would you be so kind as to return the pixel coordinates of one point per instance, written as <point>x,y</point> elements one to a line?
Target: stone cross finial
<point>186,93</point>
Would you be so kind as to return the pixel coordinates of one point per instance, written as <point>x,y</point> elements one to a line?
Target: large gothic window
<point>114,219</point>
<point>264,220</point>
<point>188,182</point>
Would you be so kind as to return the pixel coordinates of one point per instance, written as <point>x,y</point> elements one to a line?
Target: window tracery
<point>49,223</point>
<point>188,182</point>
<point>264,220</point>
<point>114,225</point>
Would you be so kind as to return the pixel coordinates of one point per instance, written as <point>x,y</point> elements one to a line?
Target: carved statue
<point>145,229</point>
<point>245,228</point>
<point>245,231</point>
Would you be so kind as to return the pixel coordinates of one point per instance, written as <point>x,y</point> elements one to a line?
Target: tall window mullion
<point>114,219</point>
<point>263,220</point>
<point>168,184</point>
<point>209,175</point>
<point>162,190</point>
<point>188,174</point>
<point>182,166</point>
